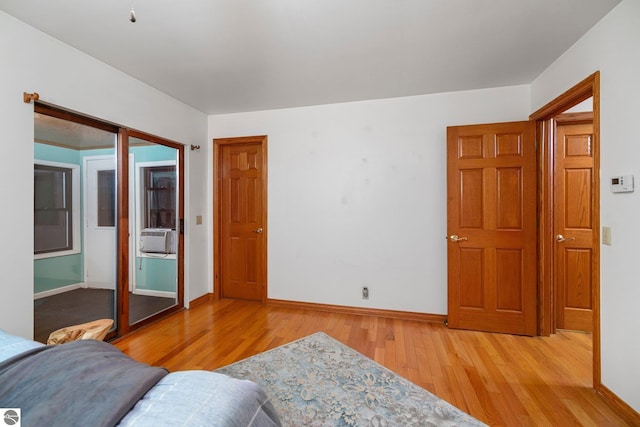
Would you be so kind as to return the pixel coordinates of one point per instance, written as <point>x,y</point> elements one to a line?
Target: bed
<point>90,382</point>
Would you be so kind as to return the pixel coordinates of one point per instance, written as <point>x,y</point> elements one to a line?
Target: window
<point>55,208</point>
<point>159,197</point>
<point>106,198</point>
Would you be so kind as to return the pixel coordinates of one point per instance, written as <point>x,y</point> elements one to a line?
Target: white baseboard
<point>150,293</point>
<point>90,285</point>
<point>57,291</point>
<point>146,292</point>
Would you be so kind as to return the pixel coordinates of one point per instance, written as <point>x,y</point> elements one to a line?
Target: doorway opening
<point>548,239</point>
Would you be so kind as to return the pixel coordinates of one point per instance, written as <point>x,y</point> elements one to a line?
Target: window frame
<point>140,191</point>
<point>75,211</point>
<point>146,175</point>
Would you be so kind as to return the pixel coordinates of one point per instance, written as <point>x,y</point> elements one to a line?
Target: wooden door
<point>242,221</point>
<point>573,222</point>
<point>491,222</point>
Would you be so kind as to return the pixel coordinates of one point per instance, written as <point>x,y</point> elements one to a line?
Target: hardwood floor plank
<point>503,380</point>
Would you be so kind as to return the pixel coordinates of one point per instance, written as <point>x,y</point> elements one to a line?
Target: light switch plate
<point>198,219</point>
<point>606,236</point>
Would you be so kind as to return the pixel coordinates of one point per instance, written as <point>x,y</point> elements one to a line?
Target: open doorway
<point>588,89</point>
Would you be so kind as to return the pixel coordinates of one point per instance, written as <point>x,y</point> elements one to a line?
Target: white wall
<point>34,62</point>
<point>613,47</point>
<point>357,194</point>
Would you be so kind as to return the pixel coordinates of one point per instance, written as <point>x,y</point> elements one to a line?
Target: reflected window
<point>159,197</point>
<point>53,202</point>
<point>106,198</point>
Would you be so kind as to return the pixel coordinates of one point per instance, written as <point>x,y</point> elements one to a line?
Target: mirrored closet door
<point>108,209</point>
<point>75,228</point>
<point>154,213</point>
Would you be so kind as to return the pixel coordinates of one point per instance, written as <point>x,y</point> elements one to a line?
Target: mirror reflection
<point>154,224</point>
<point>74,172</point>
<point>76,228</point>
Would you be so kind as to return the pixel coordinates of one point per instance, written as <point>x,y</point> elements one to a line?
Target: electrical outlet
<point>365,292</point>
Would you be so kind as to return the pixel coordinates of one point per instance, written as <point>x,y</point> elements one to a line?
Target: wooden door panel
<point>508,213</point>
<point>471,273</point>
<point>491,193</point>
<point>508,271</point>
<point>577,296</point>
<point>508,144</point>
<point>573,219</point>
<point>577,190</point>
<point>577,144</point>
<point>471,183</point>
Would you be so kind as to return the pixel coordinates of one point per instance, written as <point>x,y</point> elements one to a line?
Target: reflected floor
<point>84,305</point>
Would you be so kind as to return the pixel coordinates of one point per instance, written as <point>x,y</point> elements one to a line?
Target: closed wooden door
<point>573,222</point>
<point>242,221</point>
<point>491,222</point>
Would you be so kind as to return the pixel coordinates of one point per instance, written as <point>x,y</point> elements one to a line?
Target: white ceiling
<point>225,56</point>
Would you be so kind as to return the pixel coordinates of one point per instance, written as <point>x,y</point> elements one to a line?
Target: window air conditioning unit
<point>157,240</point>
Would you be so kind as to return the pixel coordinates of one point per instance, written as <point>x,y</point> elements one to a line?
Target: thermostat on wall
<point>622,184</point>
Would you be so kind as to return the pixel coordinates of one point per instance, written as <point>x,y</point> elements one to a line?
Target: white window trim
<point>75,209</point>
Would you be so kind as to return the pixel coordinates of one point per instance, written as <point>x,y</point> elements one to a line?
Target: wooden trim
<point>597,361</point>
<point>201,300</point>
<point>61,113</point>
<point>578,93</point>
<point>217,226</point>
<point>343,309</point>
<point>619,405</point>
<point>574,118</point>
<point>545,231</point>
<point>182,224</point>
<point>155,139</point>
<point>545,116</point>
<point>70,147</point>
<point>122,251</point>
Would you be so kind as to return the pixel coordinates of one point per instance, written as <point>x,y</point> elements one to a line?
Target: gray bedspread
<point>81,383</point>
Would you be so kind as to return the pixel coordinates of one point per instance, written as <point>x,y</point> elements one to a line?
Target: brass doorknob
<point>456,238</point>
<point>259,231</point>
<point>560,238</point>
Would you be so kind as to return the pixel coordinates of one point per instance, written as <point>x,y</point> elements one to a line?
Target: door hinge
<point>181,225</point>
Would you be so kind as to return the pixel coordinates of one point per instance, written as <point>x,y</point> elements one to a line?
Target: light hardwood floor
<point>502,380</point>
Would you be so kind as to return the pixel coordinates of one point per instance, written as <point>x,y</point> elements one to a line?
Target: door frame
<point>218,143</point>
<point>587,88</point>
